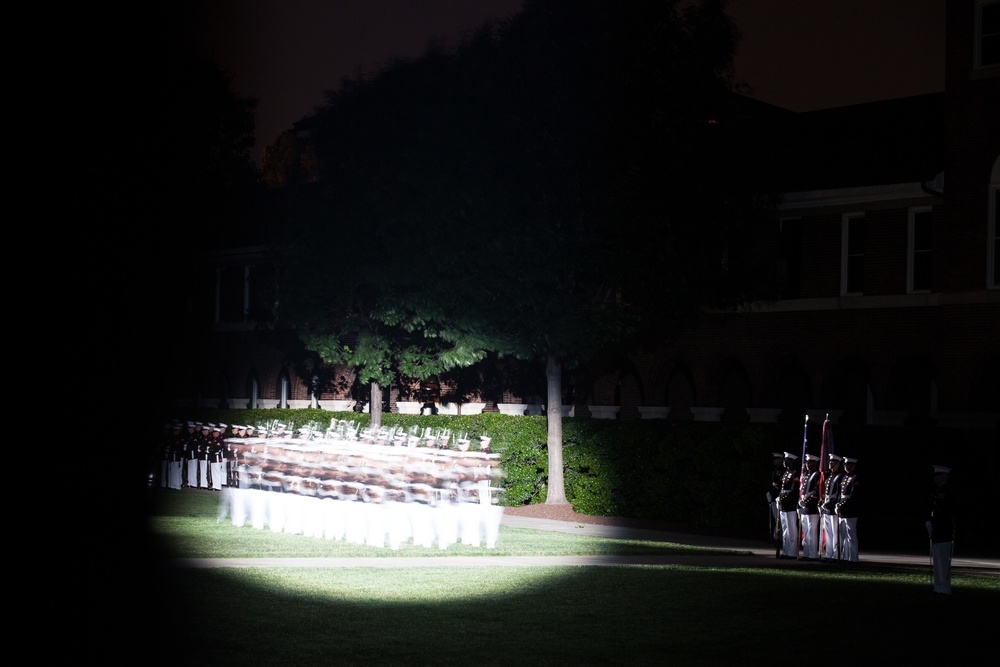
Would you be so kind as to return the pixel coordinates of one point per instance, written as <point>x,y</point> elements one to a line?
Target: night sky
<point>801,55</point>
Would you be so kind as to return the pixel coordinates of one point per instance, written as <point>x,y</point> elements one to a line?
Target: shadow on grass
<point>549,615</point>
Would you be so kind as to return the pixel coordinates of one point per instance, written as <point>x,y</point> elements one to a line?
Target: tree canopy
<point>558,183</point>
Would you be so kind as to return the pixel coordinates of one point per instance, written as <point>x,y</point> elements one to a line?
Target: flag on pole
<point>805,443</point>
<point>825,449</point>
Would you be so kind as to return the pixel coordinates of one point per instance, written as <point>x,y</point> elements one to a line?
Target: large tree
<point>554,186</point>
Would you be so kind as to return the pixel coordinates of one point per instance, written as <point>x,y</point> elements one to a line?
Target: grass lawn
<point>511,615</point>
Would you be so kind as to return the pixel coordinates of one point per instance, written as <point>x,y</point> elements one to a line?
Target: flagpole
<point>805,441</point>
<point>802,473</point>
<point>823,467</point>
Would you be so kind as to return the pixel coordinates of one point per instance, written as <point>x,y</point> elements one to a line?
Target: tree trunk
<point>553,410</point>
<point>375,406</point>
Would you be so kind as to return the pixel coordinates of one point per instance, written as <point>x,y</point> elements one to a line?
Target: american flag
<point>825,449</point>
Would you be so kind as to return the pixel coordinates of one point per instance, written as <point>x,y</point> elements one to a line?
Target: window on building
<point>789,268</point>
<point>987,33</point>
<point>231,293</point>
<point>918,255</point>
<point>852,274</point>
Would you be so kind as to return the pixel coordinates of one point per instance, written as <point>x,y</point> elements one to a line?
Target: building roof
<point>877,143</point>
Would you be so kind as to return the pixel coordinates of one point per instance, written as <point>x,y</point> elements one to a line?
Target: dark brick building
<point>885,254</point>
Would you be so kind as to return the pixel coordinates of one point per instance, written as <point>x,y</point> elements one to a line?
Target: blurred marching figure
<point>828,510</point>
<point>941,529</point>
<point>252,476</point>
<point>375,493</point>
<point>329,500</point>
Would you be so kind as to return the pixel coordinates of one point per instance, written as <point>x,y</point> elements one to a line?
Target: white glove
<point>930,531</point>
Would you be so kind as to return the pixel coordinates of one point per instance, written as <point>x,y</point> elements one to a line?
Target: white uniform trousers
<point>789,534</point>
<point>848,529</point>
<point>174,475</point>
<point>218,475</point>
<point>333,518</point>
<point>810,535</point>
<point>828,536</point>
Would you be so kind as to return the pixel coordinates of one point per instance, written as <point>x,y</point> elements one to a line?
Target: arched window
<point>680,393</point>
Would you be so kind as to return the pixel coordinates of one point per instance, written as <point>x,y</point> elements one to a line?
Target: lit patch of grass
<point>187,526</point>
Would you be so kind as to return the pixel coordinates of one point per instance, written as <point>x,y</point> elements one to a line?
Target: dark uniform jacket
<point>942,514</point>
<point>775,488</point>
<point>848,505</point>
<point>809,503</point>
<point>831,493</point>
<point>788,498</point>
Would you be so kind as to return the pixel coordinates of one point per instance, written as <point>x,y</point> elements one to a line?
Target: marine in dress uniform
<point>829,542</point>
<point>191,442</point>
<point>204,447</point>
<point>787,502</point>
<point>809,509</point>
<point>777,471</point>
<point>217,459</point>
<point>941,529</point>
<point>169,440</point>
<point>847,511</point>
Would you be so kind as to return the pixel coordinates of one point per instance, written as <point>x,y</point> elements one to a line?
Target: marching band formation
<point>383,488</point>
